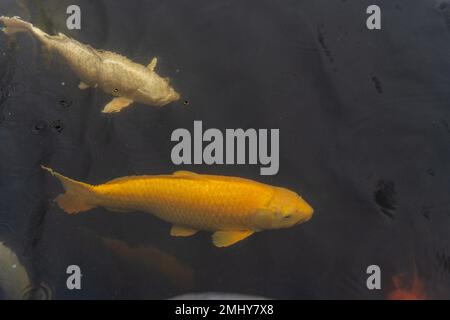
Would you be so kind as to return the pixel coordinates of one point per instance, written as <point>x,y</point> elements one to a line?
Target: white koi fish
<point>114,74</point>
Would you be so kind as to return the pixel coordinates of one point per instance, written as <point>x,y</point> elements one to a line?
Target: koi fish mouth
<point>306,218</point>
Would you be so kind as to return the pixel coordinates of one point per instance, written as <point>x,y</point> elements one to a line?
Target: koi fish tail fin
<point>79,196</point>
<point>14,25</point>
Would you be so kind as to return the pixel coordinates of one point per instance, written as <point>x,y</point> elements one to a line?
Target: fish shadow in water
<point>140,259</point>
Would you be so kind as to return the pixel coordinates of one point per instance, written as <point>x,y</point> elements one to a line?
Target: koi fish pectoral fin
<point>179,231</point>
<point>117,104</point>
<point>228,238</point>
<point>83,86</point>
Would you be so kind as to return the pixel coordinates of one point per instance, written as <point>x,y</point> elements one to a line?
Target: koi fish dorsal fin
<point>152,65</point>
<point>108,55</point>
<point>61,36</point>
<point>179,231</point>
<point>186,174</point>
<point>228,238</point>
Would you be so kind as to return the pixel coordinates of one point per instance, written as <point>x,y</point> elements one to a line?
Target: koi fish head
<point>156,92</point>
<point>284,210</point>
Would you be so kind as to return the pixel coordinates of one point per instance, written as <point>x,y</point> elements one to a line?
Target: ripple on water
<point>39,292</point>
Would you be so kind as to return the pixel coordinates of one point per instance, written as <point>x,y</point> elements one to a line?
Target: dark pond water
<point>364,119</point>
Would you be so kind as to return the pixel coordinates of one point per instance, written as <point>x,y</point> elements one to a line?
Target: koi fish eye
<point>287,217</point>
<point>115,91</point>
